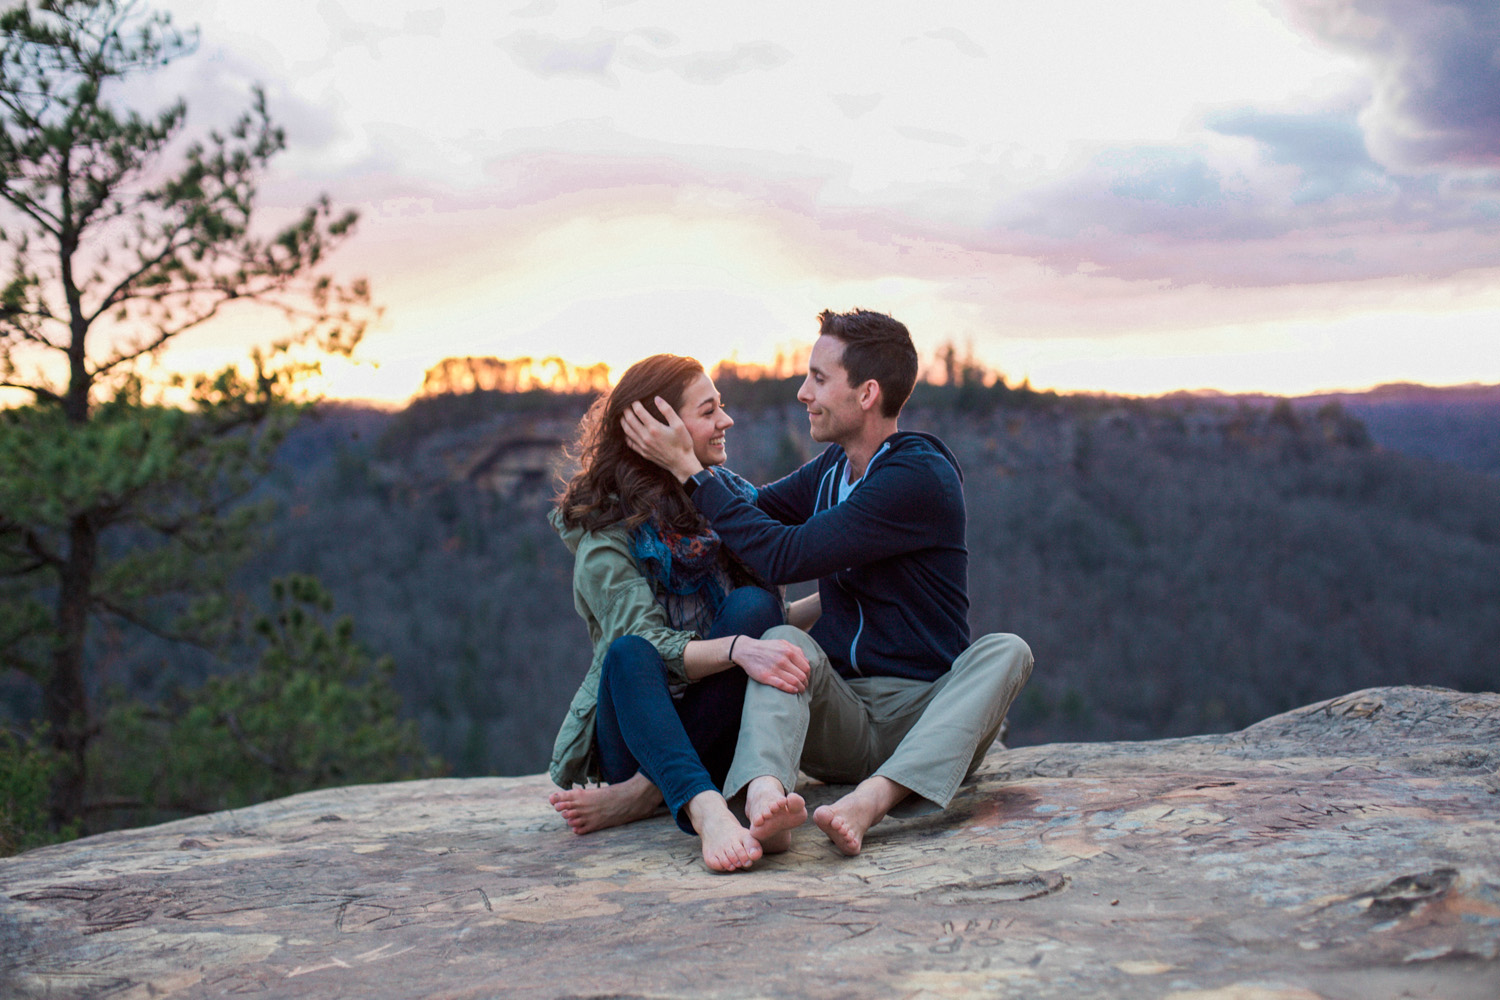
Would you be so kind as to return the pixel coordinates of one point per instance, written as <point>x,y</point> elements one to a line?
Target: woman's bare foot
<point>773,813</point>
<point>604,806</point>
<point>727,846</point>
<point>846,821</point>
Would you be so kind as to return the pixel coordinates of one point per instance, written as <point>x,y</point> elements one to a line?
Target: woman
<point>675,622</point>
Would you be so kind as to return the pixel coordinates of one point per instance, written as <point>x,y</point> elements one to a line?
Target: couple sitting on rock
<point>703,684</point>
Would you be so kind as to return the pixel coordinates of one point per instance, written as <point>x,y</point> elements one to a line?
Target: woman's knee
<point>750,611</point>
<point>631,653</point>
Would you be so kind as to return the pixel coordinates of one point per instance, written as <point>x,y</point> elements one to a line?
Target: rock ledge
<point>1349,849</point>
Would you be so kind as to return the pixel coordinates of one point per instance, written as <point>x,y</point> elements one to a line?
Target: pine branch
<point>146,625</point>
<point>248,745</point>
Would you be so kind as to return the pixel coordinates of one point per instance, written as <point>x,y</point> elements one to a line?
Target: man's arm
<point>788,500</point>
<point>791,498</point>
<point>904,504</point>
<point>805,612</point>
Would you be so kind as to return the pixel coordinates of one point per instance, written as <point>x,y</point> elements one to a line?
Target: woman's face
<point>706,420</point>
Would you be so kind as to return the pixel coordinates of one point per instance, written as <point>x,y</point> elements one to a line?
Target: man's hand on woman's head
<point>773,662</point>
<point>669,445</point>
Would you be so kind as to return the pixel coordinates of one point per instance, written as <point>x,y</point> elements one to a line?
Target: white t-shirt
<point>845,487</point>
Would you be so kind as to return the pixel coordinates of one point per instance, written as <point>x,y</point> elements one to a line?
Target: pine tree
<point>119,500</point>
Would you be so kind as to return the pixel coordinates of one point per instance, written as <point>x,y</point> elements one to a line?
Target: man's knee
<point>999,650</point>
<point>817,660</point>
<point>792,634</point>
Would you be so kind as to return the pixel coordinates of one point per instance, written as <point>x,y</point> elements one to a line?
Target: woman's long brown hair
<point>613,483</point>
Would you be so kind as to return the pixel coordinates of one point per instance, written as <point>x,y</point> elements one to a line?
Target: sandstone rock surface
<point>1349,849</point>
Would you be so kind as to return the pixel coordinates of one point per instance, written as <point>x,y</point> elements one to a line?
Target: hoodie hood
<point>914,439</point>
<point>835,461</point>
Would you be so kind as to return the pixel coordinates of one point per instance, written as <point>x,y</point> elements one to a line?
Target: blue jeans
<point>685,745</point>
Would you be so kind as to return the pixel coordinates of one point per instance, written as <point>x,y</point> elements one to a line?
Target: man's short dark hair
<point>875,347</point>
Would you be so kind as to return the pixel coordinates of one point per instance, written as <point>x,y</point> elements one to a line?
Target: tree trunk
<point>64,695</point>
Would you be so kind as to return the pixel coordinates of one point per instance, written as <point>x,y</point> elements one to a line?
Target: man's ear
<point>869,394</point>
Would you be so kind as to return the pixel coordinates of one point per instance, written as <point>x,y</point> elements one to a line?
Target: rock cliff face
<point>1350,849</point>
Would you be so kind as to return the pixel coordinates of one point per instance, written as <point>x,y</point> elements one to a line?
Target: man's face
<point>833,410</point>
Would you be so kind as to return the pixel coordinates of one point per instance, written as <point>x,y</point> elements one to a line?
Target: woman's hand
<point>773,662</point>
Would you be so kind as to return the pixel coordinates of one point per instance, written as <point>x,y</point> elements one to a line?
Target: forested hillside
<point>1178,566</point>
<point>1460,424</point>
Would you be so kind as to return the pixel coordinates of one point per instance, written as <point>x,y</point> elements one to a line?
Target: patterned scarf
<point>688,572</point>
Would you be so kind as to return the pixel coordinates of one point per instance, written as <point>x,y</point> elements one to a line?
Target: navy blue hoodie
<point>890,561</point>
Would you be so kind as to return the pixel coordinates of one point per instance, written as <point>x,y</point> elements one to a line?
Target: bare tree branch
<point>35,390</point>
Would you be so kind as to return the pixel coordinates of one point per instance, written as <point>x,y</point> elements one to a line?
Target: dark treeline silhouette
<point>1179,565</point>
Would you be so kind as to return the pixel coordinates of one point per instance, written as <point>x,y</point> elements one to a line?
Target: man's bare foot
<point>727,846</point>
<point>846,821</point>
<point>773,813</point>
<point>604,806</point>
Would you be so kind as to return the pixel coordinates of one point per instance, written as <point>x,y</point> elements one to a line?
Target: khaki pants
<point>927,736</point>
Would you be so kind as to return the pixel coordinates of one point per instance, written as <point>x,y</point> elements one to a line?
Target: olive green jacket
<point>614,599</point>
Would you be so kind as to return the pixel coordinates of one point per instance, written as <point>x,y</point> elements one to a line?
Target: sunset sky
<point>1287,196</point>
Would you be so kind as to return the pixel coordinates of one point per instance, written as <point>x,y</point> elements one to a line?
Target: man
<point>898,700</point>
